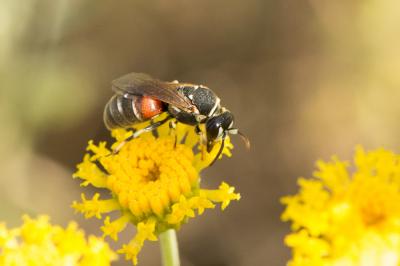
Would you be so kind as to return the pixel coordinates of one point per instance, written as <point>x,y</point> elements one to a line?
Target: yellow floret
<point>39,243</point>
<point>343,217</point>
<point>154,183</point>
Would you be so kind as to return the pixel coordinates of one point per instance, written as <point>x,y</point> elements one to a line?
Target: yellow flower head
<point>38,243</point>
<point>347,214</point>
<point>154,183</point>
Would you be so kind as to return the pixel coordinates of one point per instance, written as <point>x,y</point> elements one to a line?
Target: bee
<point>139,97</point>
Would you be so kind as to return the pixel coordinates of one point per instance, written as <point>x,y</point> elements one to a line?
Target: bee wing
<point>139,84</point>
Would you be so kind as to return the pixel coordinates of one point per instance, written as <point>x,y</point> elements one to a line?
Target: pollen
<point>148,174</point>
<point>154,183</point>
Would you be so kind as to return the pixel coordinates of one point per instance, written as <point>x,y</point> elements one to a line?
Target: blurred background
<point>305,79</point>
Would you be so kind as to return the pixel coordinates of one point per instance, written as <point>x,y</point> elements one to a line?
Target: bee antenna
<point>220,150</point>
<point>245,139</point>
<point>235,131</point>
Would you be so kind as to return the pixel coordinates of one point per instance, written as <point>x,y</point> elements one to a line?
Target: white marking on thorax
<point>215,106</point>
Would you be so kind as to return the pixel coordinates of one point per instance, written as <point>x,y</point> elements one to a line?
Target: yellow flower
<point>154,183</point>
<point>347,214</point>
<point>38,243</point>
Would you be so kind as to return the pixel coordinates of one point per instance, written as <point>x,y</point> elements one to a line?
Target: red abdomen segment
<point>121,112</point>
<point>150,107</point>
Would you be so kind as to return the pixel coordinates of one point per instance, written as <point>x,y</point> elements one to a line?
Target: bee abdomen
<point>120,112</point>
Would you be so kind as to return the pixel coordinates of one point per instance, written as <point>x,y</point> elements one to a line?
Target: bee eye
<point>213,128</point>
<point>217,125</point>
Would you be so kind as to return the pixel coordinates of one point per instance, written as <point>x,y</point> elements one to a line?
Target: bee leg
<point>150,127</point>
<point>197,130</point>
<point>172,127</point>
<point>155,133</point>
<point>116,150</point>
<point>202,142</point>
<point>137,133</point>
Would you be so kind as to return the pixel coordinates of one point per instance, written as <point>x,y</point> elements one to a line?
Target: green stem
<point>169,248</point>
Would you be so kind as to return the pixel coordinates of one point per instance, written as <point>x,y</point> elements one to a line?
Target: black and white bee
<point>139,97</point>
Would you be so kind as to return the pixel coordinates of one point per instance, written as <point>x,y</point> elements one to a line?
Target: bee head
<point>217,127</point>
